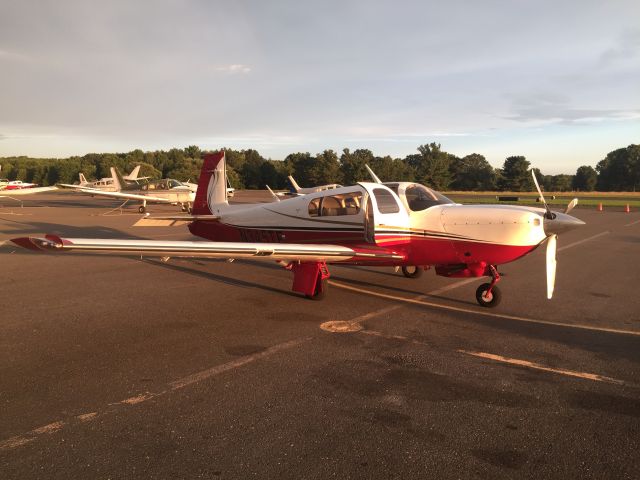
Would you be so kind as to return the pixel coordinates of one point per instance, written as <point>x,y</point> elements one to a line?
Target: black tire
<point>412,271</point>
<point>189,210</point>
<point>183,208</point>
<point>494,297</point>
<point>141,209</point>
<point>320,291</point>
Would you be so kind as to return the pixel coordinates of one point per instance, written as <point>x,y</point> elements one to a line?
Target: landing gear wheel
<point>183,208</point>
<point>189,210</point>
<point>488,300</point>
<point>412,271</point>
<point>141,209</point>
<point>320,291</point>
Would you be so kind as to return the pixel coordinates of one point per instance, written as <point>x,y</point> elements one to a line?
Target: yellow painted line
<point>588,239</point>
<point>524,363</point>
<point>418,301</point>
<point>20,440</point>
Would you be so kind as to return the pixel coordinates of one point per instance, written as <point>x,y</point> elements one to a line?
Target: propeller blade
<point>572,205</point>
<point>548,214</point>
<point>551,264</point>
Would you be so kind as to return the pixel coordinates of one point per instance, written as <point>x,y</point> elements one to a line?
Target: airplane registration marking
<point>419,301</point>
<point>20,440</point>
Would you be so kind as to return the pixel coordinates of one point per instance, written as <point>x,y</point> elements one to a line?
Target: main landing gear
<point>143,208</point>
<point>488,294</point>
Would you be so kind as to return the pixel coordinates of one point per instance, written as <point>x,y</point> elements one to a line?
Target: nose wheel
<point>488,294</point>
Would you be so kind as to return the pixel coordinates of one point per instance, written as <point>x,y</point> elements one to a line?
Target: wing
<point>204,249</point>
<point>129,196</point>
<point>27,191</point>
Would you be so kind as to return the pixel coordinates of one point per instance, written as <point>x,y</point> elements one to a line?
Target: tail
<point>118,180</point>
<point>134,173</point>
<point>294,184</point>
<point>83,180</point>
<point>212,186</point>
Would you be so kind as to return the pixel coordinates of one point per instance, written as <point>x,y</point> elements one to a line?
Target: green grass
<point>589,199</point>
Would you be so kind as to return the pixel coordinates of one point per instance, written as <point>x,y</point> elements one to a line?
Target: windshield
<point>418,197</point>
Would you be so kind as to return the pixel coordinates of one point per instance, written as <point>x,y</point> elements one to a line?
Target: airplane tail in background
<point>83,180</point>
<point>134,173</point>
<point>118,181</point>
<point>294,184</point>
<point>212,186</point>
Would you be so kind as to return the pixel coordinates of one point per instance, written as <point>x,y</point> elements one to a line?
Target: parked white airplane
<point>167,190</point>
<point>298,190</point>
<point>106,184</point>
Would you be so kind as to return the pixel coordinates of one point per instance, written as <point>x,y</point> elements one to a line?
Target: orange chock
<point>627,209</point>
<point>600,207</point>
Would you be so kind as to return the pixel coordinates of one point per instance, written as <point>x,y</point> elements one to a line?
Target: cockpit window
<point>174,184</point>
<point>385,200</point>
<point>420,197</point>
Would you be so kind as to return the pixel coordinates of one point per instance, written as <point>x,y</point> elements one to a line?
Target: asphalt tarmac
<point>117,367</point>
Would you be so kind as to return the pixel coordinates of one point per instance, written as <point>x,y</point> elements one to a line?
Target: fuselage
<point>409,219</point>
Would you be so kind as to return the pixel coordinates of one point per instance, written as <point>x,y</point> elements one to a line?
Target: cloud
<point>552,108</point>
<point>627,48</point>
<point>233,69</point>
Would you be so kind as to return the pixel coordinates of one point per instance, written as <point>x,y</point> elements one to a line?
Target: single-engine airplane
<point>106,184</point>
<point>395,224</point>
<point>297,190</point>
<point>167,191</point>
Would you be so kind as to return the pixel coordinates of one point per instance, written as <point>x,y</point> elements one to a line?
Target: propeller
<point>571,205</point>
<point>552,240</point>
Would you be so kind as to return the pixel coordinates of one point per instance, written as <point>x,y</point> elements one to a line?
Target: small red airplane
<point>402,224</point>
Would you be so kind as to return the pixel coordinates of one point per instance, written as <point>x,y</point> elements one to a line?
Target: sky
<point>555,81</point>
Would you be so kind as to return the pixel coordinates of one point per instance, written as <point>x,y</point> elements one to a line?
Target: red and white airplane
<point>401,224</point>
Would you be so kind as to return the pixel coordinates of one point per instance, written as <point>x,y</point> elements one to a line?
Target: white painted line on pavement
<point>19,440</point>
<point>580,242</point>
<point>524,363</point>
<point>418,301</point>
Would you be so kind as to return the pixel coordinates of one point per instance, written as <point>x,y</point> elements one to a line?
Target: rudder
<point>212,186</point>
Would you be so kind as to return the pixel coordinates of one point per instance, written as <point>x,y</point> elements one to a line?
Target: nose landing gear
<point>488,294</point>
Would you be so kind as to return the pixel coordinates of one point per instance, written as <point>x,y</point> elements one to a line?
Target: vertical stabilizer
<point>294,184</point>
<point>83,180</point>
<point>212,186</point>
<point>134,174</point>
<point>118,181</point>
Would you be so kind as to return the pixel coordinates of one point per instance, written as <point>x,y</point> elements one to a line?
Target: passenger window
<point>386,202</point>
<point>335,205</point>
<point>330,207</point>
<point>314,207</point>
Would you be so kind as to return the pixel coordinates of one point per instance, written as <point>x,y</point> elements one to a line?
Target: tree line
<point>432,166</point>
